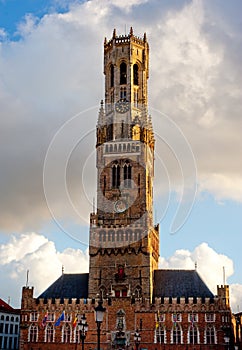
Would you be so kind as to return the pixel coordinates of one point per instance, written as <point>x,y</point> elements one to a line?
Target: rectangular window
<point>192,317</point>
<point>117,293</point>
<point>176,318</point>
<point>67,317</point>
<point>33,317</point>
<point>51,317</point>
<point>161,318</point>
<point>210,317</point>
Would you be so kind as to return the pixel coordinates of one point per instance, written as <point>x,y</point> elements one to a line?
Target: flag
<point>61,318</point>
<point>43,323</point>
<point>74,322</point>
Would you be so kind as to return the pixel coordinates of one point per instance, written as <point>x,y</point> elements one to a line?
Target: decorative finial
<point>101,103</point>
<point>195,265</point>
<point>114,33</point>
<point>131,33</point>
<point>145,39</point>
<point>105,40</point>
<point>62,269</point>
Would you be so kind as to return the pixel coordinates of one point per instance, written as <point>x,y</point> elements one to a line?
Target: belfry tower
<point>124,243</point>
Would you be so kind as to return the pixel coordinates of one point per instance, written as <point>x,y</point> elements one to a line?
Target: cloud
<point>34,252</point>
<point>55,71</point>
<point>209,266</point>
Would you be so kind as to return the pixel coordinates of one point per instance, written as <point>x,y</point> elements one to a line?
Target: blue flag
<point>61,318</point>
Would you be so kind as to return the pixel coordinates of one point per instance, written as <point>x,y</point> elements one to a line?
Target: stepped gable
<point>180,283</point>
<point>68,285</point>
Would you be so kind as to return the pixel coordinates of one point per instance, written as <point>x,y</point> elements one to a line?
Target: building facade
<point>9,326</point>
<point>169,309</point>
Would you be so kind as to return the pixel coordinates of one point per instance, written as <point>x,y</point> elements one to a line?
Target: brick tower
<point>124,243</point>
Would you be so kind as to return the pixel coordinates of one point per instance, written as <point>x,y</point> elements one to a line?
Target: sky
<point>51,84</point>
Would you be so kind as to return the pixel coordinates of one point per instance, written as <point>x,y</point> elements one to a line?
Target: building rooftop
<point>167,283</point>
<point>68,285</point>
<point>180,283</point>
<point>5,307</point>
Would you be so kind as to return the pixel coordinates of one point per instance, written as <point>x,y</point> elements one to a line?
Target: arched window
<point>210,337</point>
<point>49,334</point>
<point>127,174</point>
<point>138,292</point>
<point>160,334</point>
<point>115,175</point>
<point>176,334</point>
<point>123,73</point>
<point>193,335</point>
<point>33,334</point>
<point>76,335</point>
<point>136,74</point>
<point>66,333</point>
<point>111,75</point>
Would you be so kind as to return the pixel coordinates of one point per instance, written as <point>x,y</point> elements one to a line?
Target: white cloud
<point>210,266</point>
<point>222,186</point>
<point>35,253</point>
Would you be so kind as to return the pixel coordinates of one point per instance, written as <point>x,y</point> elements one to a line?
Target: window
<point>123,73</point>
<point>123,93</point>
<point>76,335</point>
<point>49,334</point>
<point>111,76</point>
<point>115,176</point>
<point>6,328</point>
<point>136,74</point>
<point>16,329</point>
<point>160,334</point>
<point>33,317</point>
<point>176,318</point>
<point>50,316</point>
<point>192,318</point>
<point>66,333</point>
<point>127,175</point>
<point>68,317</point>
<point>161,317</point>
<point>210,335</point>
<point>33,334</point>
<point>193,335</point>
<point>176,334</point>
<point>11,329</point>
<point>210,317</point>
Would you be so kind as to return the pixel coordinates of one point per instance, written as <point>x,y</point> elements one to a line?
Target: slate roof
<point>180,283</point>
<point>68,285</point>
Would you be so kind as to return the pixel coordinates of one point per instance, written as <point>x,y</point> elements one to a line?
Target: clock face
<point>122,106</point>
<point>120,206</point>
